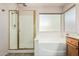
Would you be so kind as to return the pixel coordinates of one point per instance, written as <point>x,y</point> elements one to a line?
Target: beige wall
<point>3,32</point>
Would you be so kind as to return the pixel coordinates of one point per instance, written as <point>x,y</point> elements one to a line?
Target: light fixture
<point>24,4</point>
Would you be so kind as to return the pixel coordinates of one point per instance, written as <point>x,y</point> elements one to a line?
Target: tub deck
<point>50,44</point>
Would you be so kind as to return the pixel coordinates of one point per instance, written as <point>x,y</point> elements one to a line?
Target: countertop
<point>76,36</point>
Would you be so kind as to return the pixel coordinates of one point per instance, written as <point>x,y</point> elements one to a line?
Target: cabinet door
<point>72,50</point>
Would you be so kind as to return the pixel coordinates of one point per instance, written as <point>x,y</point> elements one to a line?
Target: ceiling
<point>45,4</point>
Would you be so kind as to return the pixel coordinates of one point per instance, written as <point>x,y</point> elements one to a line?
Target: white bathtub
<point>50,44</point>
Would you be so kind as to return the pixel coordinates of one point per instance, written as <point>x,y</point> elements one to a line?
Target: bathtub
<point>50,44</point>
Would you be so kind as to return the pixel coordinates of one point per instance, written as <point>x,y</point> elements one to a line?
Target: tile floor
<point>20,54</point>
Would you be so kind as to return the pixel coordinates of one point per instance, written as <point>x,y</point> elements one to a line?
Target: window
<point>70,21</point>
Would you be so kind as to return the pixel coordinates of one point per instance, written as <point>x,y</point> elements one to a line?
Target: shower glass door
<point>26,29</point>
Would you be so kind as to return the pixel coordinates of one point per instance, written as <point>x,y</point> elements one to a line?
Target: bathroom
<point>39,29</point>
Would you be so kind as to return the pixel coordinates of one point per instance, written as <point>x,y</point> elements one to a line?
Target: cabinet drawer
<point>72,41</point>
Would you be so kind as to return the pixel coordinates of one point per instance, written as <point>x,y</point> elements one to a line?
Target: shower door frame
<point>34,30</point>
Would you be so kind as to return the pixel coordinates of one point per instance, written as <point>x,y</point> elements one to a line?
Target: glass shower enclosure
<point>21,29</point>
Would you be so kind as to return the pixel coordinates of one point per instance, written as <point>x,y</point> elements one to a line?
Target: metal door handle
<point>14,25</point>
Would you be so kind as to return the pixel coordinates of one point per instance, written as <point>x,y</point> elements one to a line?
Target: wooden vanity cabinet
<point>72,46</point>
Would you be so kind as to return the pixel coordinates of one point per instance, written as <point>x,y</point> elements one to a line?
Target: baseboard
<point>20,51</point>
<point>3,53</point>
